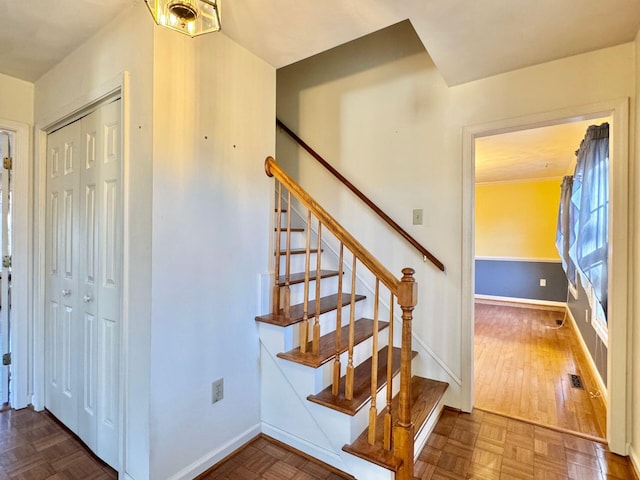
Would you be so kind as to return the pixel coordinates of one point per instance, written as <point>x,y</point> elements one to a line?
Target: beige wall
<point>380,112</point>
<point>16,100</point>
<point>635,286</point>
<point>214,109</point>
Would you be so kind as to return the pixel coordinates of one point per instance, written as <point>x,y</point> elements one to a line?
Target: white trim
<point>635,461</point>
<point>618,424</point>
<point>209,459</point>
<point>322,454</point>
<point>56,119</point>
<point>125,110</point>
<point>21,313</point>
<point>425,431</point>
<point>523,180</point>
<point>456,379</point>
<point>573,289</point>
<point>592,365</point>
<point>520,259</point>
<point>529,301</point>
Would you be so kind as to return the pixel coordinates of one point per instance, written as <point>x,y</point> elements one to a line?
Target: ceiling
<point>466,39</point>
<point>538,153</point>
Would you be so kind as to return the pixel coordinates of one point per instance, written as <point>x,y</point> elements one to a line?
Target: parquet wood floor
<point>486,446</point>
<point>34,446</point>
<point>522,367</point>
<point>480,445</point>
<point>267,459</point>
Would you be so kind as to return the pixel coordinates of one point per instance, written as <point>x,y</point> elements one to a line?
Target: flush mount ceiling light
<point>191,17</point>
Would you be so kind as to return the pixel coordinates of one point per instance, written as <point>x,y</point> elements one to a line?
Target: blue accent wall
<point>521,279</point>
<point>580,310</point>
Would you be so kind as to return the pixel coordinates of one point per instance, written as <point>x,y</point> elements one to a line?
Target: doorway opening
<point>7,143</point>
<point>616,353</point>
<point>529,344</point>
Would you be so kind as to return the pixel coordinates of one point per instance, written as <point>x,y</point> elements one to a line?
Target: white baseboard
<point>427,428</point>
<point>322,454</point>
<point>210,459</point>
<point>528,301</point>
<point>594,370</point>
<point>634,459</point>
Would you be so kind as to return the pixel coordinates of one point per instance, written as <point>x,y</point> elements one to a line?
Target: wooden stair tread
<point>298,251</point>
<point>293,229</point>
<point>363,329</point>
<point>361,384</point>
<point>296,312</point>
<point>425,395</point>
<point>299,277</point>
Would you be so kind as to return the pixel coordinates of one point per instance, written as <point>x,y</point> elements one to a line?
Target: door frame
<point>118,85</point>
<point>21,332</point>
<point>618,392</point>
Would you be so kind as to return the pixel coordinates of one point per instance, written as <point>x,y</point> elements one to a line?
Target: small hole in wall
<point>206,138</point>
<point>234,146</point>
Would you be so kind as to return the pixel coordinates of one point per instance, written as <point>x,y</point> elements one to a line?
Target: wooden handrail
<point>426,253</point>
<point>397,435</point>
<point>386,277</point>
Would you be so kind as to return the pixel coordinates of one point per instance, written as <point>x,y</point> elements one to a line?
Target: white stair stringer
<point>288,416</point>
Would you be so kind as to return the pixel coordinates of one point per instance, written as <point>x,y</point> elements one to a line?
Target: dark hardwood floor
<point>34,446</point>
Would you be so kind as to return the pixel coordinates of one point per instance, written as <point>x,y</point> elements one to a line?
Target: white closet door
<point>97,289</point>
<point>103,295</point>
<point>87,307</point>
<point>63,166</point>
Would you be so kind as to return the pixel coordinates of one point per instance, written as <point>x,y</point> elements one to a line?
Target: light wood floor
<point>522,367</point>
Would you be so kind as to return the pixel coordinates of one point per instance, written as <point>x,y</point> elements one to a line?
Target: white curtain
<point>586,231</point>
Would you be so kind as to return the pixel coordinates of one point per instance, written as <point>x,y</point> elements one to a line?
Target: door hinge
<point>7,163</point>
<point>6,261</point>
<point>6,359</point>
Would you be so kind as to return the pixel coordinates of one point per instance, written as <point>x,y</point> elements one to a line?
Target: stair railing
<point>426,254</point>
<point>395,434</point>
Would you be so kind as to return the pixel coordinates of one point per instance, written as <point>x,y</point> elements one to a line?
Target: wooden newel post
<point>403,430</point>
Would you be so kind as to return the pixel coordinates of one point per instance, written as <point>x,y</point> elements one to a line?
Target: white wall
<point>16,99</point>
<point>125,44</point>
<point>379,111</point>
<point>214,110</point>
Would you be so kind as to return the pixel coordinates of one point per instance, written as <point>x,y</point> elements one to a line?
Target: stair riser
<point>288,338</point>
<point>328,320</point>
<point>298,240</point>
<point>328,286</point>
<point>362,469</point>
<point>423,435</point>
<point>347,428</point>
<point>298,263</point>
<point>323,375</point>
<point>278,339</point>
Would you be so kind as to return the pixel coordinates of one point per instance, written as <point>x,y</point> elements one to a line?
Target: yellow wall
<point>517,220</point>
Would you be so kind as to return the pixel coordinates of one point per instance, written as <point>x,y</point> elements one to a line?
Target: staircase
<point>336,352</point>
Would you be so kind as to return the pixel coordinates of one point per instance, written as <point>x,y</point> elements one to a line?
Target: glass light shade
<point>191,17</point>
